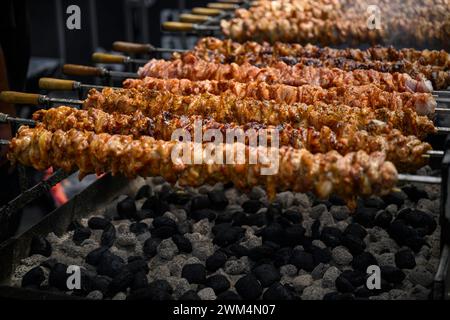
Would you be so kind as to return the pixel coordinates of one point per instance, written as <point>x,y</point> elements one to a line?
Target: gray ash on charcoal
<point>214,242</point>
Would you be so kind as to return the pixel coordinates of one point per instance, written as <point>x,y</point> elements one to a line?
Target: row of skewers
<point>332,22</point>
<point>424,24</point>
<point>341,132</point>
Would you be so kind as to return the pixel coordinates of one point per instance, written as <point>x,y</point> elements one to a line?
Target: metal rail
<point>419,179</point>
<point>31,194</point>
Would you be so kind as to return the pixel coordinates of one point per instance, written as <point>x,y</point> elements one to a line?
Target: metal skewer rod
<point>442,92</point>
<point>442,100</point>
<point>4,142</point>
<point>5,118</point>
<point>443,130</point>
<point>435,153</point>
<point>419,179</point>
<point>143,48</point>
<point>442,110</point>
<point>34,99</point>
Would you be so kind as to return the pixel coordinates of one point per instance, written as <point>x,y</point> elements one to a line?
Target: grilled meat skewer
<point>228,108</point>
<point>406,152</point>
<point>351,29</point>
<point>298,170</point>
<point>439,77</point>
<point>326,10</point>
<point>192,68</point>
<point>368,96</point>
<point>229,48</point>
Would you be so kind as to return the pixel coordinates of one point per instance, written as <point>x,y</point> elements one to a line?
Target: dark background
<point>110,20</point>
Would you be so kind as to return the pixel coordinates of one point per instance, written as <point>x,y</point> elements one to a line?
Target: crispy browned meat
<point>368,96</point>
<point>346,176</point>
<point>96,120</point>
<point>192,68</point>
<point>236,51</point>
<point>351,31</point>
<point>438,75</point>
<point>404,23</point>
<point>406,152</point>
<point>332,9</point>
<point>293,9</point>
<point>229,108</point>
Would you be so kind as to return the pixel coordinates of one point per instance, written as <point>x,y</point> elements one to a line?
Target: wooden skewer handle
<point>222,6</point>
<point>206,11</point>
<point>193,18</point>
<point>19,97</point>
<point>177,26</point>
<point>101,57</point>
<point>78,70</point>
<point>56,84</point>
<point>132,47</point>
<point>230,1</point>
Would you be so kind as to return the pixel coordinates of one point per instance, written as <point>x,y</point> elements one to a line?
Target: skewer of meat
<point>325,10</point>
<point>192,68</point>
<point>298,170</point>
<point>368,96</point>
<point>439,77</point>
<point>351,28</point>
<point>406,152</point>
<point>303,10</point>
<point>230,48</point>
<point>229,108</point>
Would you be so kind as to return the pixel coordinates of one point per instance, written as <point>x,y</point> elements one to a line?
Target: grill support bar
<point>27,196</point>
